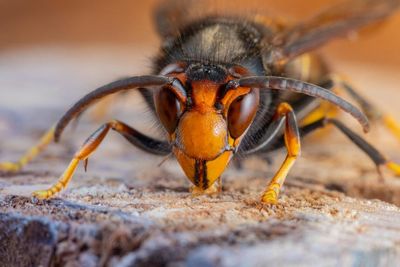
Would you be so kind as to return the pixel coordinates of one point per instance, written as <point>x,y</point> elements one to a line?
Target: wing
<point>337,21</point>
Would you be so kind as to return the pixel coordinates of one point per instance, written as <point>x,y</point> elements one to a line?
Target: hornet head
<point>205,117</point>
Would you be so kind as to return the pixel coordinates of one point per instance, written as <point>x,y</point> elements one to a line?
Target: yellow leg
<point>88,147</point>
<point>325,110</point>
<point>272,192</point>
<point>374,114</point>
<point>61,183</point>
<point>392,125</point>
<point>394,167</point>
<point>30,154</point>
<point>292,142</point>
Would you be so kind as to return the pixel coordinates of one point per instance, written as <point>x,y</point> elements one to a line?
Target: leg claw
<point>270,197</point>
<point>41,194</point>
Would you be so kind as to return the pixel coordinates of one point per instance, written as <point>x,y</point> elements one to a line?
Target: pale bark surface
<point>126,211</point>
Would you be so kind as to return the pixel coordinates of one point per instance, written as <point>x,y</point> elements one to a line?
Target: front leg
<point>91,144</point>
<point>292,142</point>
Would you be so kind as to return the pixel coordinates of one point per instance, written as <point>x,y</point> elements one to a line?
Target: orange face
<point>205,123</point>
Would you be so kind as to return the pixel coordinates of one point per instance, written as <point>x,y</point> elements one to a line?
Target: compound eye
<point>241,113</point>
<point>168,109</point>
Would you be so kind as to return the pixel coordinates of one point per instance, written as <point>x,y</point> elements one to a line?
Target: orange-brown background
<point>102,22</point>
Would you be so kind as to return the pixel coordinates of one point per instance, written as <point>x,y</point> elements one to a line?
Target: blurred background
<point>53,52</point>
<point>46,23</point>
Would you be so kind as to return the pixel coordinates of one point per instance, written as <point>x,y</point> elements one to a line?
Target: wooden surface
<point>126,211</point>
